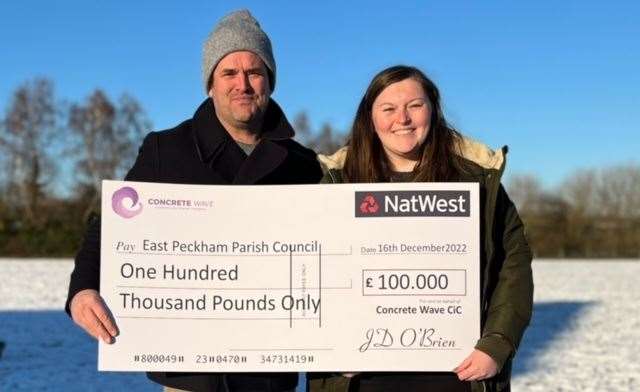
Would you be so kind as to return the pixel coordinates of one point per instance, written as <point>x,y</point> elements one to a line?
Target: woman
<point>400,134</point>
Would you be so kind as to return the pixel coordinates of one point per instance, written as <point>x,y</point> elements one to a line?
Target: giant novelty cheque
<point>341,277</point>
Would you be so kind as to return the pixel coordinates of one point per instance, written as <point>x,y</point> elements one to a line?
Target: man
<point>238,135</point>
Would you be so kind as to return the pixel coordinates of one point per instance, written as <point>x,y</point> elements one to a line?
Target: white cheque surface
<point>361,277</point>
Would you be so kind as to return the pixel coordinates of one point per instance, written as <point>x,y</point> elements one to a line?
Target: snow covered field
<point>585,335</point>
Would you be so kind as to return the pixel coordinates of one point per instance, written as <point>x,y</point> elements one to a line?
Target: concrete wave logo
<point>118,202</point>
<point>369,205</point>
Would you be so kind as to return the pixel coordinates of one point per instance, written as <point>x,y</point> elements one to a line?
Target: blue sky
<point>556,81</point>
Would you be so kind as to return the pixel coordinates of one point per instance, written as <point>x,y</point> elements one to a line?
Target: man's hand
<point>477,366</point>
<point>89,311</point>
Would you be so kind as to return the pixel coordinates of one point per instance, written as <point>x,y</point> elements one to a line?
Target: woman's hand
<point>477,366</point>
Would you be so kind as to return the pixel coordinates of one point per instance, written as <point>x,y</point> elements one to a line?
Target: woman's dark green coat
<point>506,278</point>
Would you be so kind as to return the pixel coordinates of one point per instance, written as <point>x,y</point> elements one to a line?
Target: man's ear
<point>210,84</point>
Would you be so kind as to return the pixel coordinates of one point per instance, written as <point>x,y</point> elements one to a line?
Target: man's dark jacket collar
<point>210,135</point>
<point>217,149</point>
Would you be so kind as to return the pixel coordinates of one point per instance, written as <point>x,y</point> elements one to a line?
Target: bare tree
<point>327,141</point>
<point>526,192</point>
<point>108,135</point>
<point>579,190</point>
<point>618,221</point>
<point>604,218</point>
<point>25,138</point>
<point>302,127</point>
<point>619,191</point>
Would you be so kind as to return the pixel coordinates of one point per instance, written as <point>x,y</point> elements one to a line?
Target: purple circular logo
<point>118,202</point>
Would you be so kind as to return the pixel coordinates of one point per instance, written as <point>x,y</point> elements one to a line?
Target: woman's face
<point>402,117</point>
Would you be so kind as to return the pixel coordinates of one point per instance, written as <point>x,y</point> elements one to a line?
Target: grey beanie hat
<point>235,32</point>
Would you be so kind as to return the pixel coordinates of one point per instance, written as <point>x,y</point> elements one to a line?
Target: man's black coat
<point>201,151</point>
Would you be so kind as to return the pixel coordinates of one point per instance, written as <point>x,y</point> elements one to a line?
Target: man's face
<point>240,90</point>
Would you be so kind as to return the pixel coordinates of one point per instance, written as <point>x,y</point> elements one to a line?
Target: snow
<point>585,334</point>
<point>45,351</point>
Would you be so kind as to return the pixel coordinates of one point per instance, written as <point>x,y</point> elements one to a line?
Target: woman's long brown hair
<point>366,160</point>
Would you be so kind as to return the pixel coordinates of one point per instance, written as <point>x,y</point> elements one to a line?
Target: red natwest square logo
<point>369,205</point>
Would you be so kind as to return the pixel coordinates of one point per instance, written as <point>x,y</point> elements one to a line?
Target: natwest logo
<point>369,205</point>
<point>412,203</point>
<point>125,202</point>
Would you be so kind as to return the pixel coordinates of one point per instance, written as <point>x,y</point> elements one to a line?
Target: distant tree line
<point>42,140</point>
<point>594,213</point>
<point>46,142</point>
<point>326,140</point>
